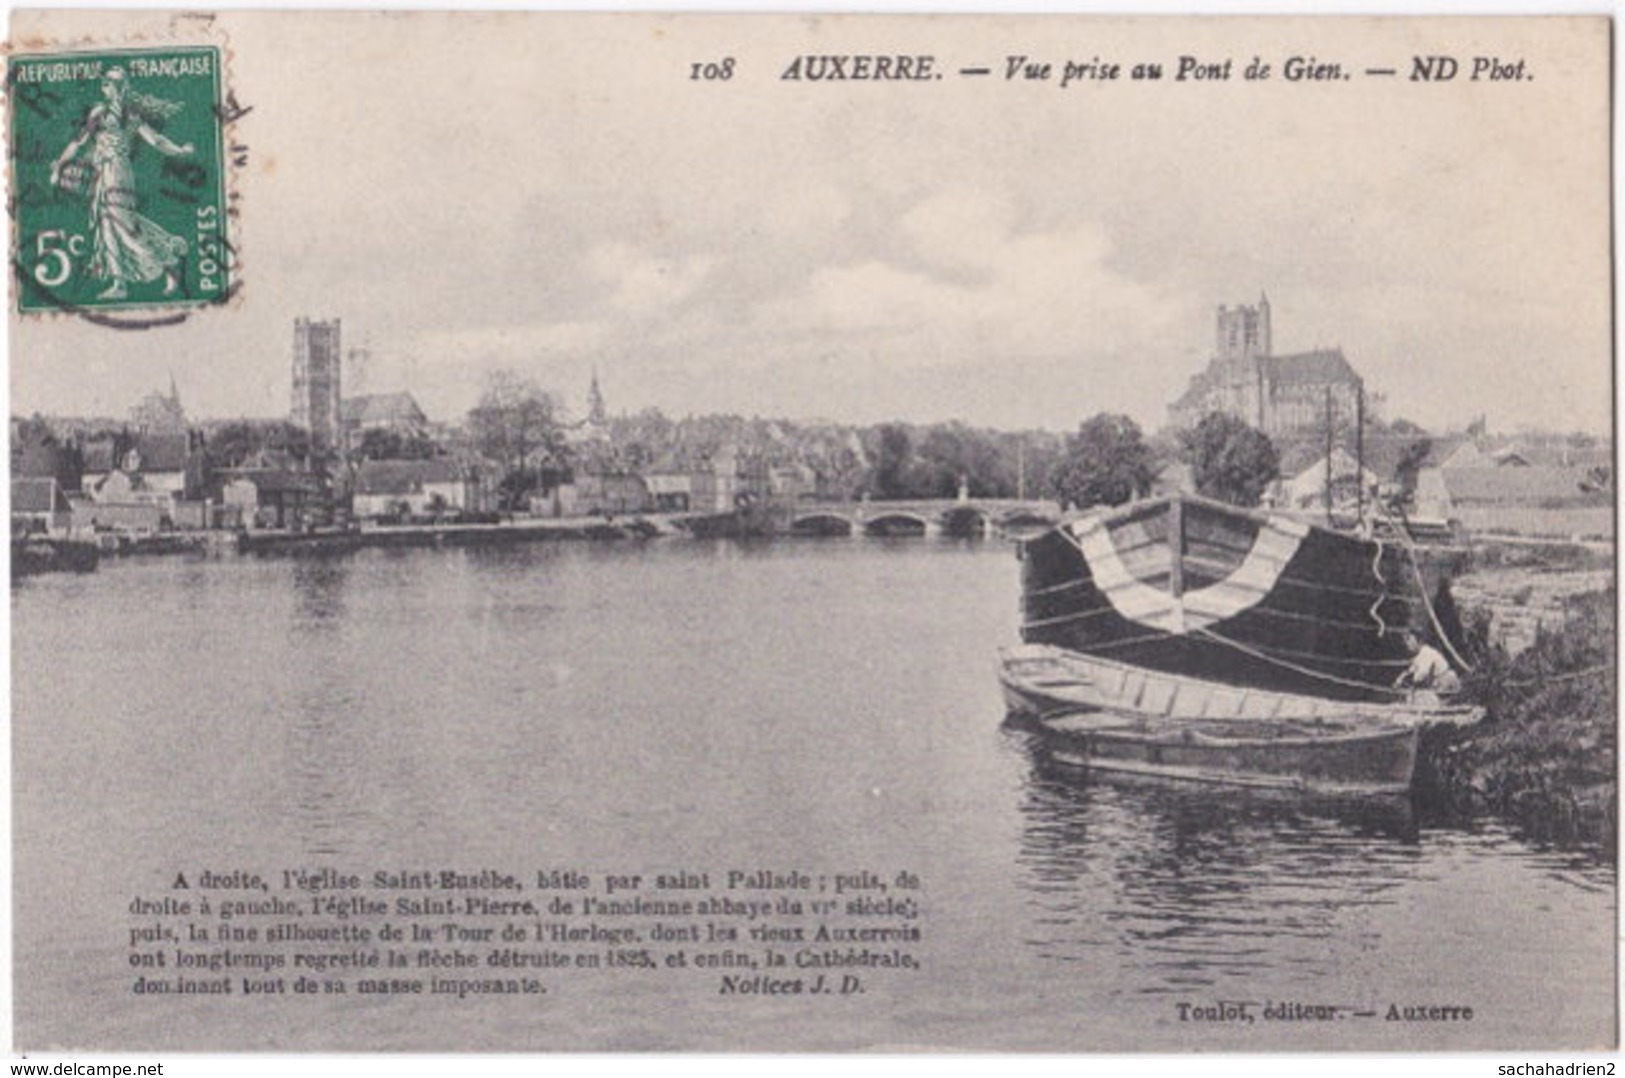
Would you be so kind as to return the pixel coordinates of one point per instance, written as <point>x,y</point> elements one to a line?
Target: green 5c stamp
<point>117,165</point>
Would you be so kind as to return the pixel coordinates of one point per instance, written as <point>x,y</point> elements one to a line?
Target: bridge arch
<point>966,521</point>
<point>821,525</point>
<point>1019,520</point>
<point>896,523</point>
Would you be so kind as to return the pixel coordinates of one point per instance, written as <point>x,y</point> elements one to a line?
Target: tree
<point>234,443</point>
<point>384,444</point>
<point>1406,427</point>
<point>516,420</point>
<point>1409,467</point>
<point>644,437</point>
<point>951,452</point>
<point>1106,463</point>
<point>1230,460</point>
<point>518,424</point>
<point>37,451</point>
<point>892,461</point>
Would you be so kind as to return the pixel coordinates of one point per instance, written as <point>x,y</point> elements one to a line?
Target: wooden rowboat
<point>1111,716</point>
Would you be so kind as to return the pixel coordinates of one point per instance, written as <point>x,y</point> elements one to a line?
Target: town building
<point>39,507</point>
<point>1350,482</point>
<point>1281,395</point>
<point>158,413</point>
<point>1567,502</point>
<point>148,467</point>
<point>394,488</point>
<point>715,486</point>
<point>317,381</point>
<point>669,491</point>
<point>268,497</point>
<point>612,493</point>
<point>142,483</point>
<point>396,413</point>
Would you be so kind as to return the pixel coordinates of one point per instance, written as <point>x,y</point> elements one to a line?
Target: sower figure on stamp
<point>126,247</point>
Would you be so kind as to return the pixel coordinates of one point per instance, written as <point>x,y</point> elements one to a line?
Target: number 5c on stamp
<point>118,178</point>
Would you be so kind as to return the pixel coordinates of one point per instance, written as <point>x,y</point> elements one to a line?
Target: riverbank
<point>1545,756</point>
<point>35,555</point>
<point>448,535</point>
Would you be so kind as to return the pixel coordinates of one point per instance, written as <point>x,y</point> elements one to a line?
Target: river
<point>828,705</point>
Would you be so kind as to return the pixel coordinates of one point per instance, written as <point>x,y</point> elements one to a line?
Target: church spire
<point>595,402</point>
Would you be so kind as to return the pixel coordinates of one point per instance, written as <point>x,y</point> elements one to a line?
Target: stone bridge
<point>972,516</point>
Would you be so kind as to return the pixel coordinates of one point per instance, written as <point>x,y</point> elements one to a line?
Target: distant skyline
<point>555,195</point>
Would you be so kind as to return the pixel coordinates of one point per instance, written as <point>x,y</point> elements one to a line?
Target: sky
<point>557,196</point>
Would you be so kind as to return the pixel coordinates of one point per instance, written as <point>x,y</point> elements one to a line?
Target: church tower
<point>316,380</point>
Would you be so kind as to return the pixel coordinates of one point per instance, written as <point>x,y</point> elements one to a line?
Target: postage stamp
<point>118,174</point>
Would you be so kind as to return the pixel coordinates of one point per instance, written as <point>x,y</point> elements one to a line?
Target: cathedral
<point>1280,395</point>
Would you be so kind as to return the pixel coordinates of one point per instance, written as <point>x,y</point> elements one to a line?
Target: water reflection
<point>326,762</point>
<point>1192,884</point>
<point>324,751</point>
<point>319,586</point>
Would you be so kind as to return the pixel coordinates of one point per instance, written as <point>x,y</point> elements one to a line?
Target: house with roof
<point>1523,500</point>
<point>792,480</point>
<point>1307,488</point>
<point>612,491</point>
<point>392,488</point>
<point>715,485</point>
<point>39,506</point>
<point>269,497</point>
<point>1457,452</point>
<point>669,492</point>
<point>141,483</point>
<point>145,467</point>
<point>100,457</point>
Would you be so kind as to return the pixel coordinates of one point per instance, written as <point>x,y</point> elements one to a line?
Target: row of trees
<point>1109,462</point>
<point>522,428</point>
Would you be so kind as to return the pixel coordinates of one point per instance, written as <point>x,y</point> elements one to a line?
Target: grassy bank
<point>1545,755</point>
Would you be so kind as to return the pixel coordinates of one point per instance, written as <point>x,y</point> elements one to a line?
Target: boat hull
<point>1184,585</point>
<point>1371,762</point>
<point>1109,716</point>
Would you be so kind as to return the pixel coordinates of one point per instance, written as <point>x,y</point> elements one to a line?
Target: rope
<point>1304,670</point>
<point>1382,581</point>
<point>1038,623</point>
<point>1124,643</point>
<point>1063,586</point>
<point>1396,663</point>
<point>1421,586</point>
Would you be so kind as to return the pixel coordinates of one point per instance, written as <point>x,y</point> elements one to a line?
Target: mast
<point>1021,467</point>
<point>1359,451</point>
<point>1329,439</point>
<point>1176,545</point>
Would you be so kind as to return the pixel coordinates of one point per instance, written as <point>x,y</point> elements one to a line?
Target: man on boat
<point>1429,670</point>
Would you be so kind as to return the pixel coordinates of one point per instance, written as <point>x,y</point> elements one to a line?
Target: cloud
<point>642,284</point>
<point>1034,294</point>
<point>446,369</point>
<point>959,229</point>
<point>808,214</point>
